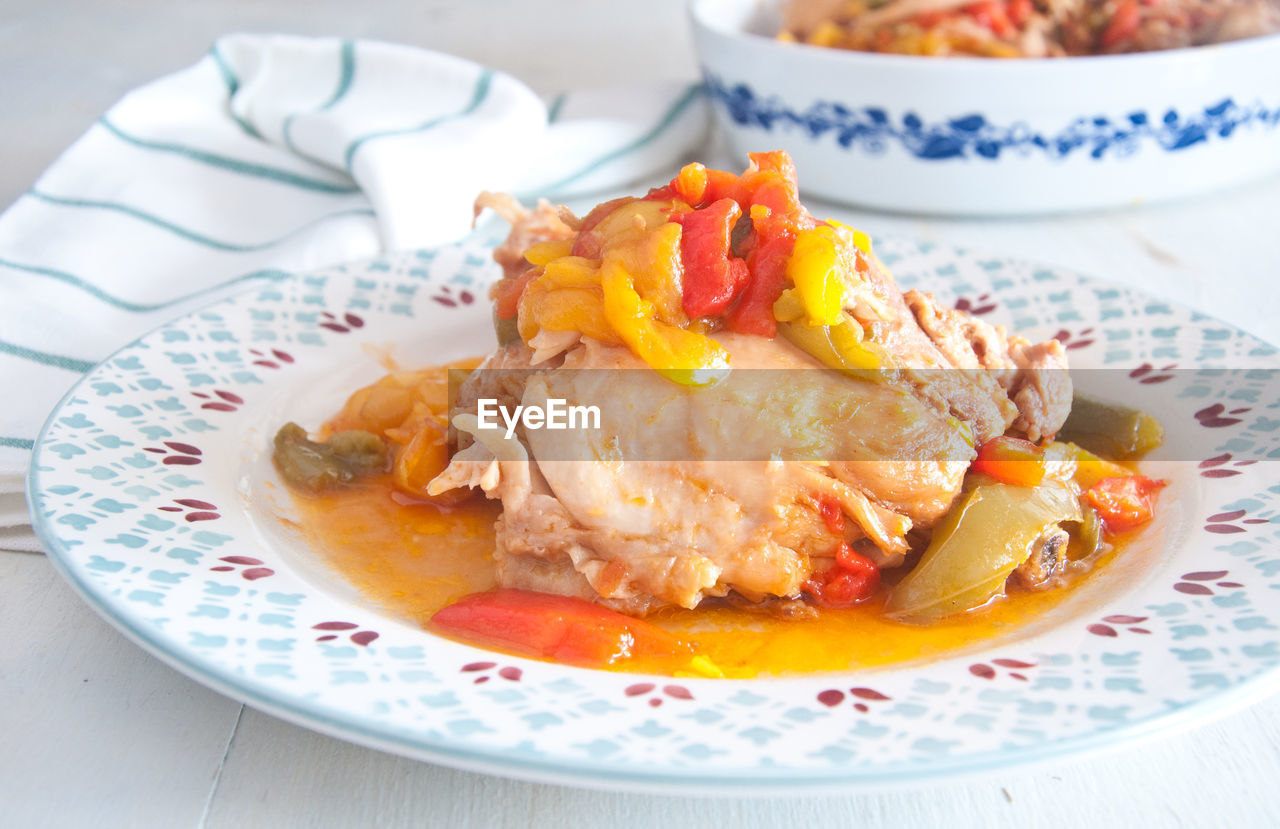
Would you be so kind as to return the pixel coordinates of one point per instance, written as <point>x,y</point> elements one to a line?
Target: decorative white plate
<point>152,490</point>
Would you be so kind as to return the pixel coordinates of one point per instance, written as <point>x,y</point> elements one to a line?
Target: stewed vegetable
<point>314,466</point>
<point>973,551</point>
<point>1111,430</point>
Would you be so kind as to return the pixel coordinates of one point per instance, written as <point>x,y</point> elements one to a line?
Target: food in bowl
<point>979,137</point>
<point>785,436</point>
<point>1025,28</point>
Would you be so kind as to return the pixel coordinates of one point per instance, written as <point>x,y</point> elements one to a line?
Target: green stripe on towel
<point>45,357</point>
<point>233,86</point>
<point>553,111</point>
<point>228,76</point>
<point>17,443</point>
<point>347,72</point>
<point>74,281</point>
<point>233,165</point>
<point>186,233</point>
<point>480,92</point>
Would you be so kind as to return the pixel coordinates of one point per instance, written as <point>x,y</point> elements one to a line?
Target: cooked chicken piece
<point>656,507</point>
<point>1034,377</point>
<point>967,395</point>
<point>684,494</point>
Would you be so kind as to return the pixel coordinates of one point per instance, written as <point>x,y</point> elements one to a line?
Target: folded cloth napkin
<point>275,155</point>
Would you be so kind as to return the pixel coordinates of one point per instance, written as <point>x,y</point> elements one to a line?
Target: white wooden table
<point>93,731</point>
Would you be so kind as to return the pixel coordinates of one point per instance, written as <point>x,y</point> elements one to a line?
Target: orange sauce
<point>411,559</point>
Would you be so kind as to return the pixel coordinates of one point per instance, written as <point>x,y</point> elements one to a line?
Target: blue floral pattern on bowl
<point>872,129</point>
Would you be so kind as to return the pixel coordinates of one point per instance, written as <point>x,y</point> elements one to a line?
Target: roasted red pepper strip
<point>767,191</point>
<point>1011,461</point>
<point>785,213</point>
<point>712,275</point>
<point>753,312</point>
<point>562,628</point>
<point>853,579</point>
<point>774,162</point>
<point>721,184</point>
<point>1125,502</point>
<point>666,192</point>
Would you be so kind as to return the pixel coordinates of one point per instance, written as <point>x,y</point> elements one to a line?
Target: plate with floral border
<point>152,490</point>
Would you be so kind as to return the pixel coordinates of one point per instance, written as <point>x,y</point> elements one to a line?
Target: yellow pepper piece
<point>788,308</point>
<point>847,339</point>
<point>701,666</point>
<point>859,239</point>
<point>684,357</point>
<point>543,252</point>
<point>1090,468</point>
<point>633,217</point>
<point>825,33</point>
<point>648,247</point>
<point>837,346</point>
<point>571,272</point>
<point>544,307</point>
<point>576,309</point>
<point>691,182</point>
<point>812,268</point>
<point>657,271</point>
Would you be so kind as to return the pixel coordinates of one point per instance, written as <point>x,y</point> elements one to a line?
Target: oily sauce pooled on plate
<point>411,559</point>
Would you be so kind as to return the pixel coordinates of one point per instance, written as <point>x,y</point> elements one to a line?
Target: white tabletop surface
<point>93,731</point>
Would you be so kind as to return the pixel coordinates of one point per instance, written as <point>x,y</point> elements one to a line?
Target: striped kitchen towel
<point>275,155</point>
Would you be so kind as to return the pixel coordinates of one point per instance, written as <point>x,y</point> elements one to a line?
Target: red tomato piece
<point>1020,12</point>
<point>1124,502</point>
<point>832,516</point>
<point>506,301</point>
<point>1011,461</point>
<point>991,14</point>
<point>852,580</point>
<point>1123,24</point>
<point>926,20</point>
<point>562,628</point>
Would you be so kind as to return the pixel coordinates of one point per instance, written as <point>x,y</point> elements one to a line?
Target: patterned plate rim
<point>685,779</point>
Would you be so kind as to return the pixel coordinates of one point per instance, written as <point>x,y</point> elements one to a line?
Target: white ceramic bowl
<point>996,137</point>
